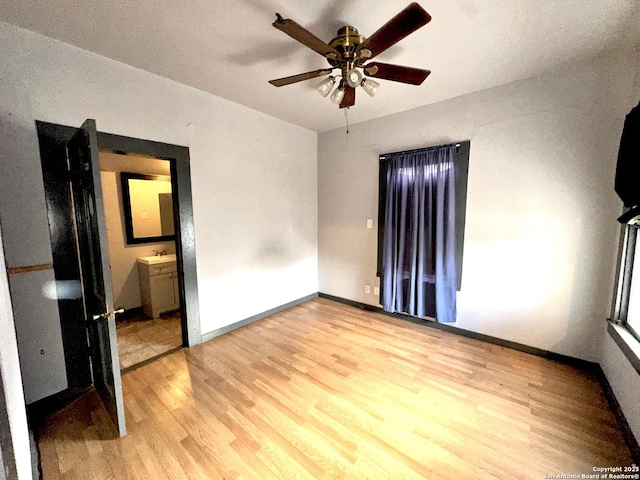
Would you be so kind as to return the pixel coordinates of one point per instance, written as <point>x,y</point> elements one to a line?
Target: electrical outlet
<point>369,223</point>
<point>367,289</point>
<point>376,291</point>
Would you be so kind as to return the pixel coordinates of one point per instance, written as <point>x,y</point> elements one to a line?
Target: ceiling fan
<point>349,51</point>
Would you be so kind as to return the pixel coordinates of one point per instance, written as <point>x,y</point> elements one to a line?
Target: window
<point>462,170</point>
<point>627,303</point>
<point>422,201</point>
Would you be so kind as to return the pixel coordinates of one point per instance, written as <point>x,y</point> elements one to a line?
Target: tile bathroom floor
<point>141,338</point>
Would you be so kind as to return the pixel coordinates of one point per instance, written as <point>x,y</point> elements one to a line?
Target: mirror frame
<point>126,202</point>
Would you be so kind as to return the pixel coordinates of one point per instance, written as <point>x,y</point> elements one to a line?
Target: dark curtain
<point>419,245</point>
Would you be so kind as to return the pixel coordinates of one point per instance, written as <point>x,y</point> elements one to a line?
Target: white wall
<point>541,235</point>
<point>26,238</point>
<point>10,383</point>
<point>624,380</point>
<point>48,80</point>
<point>259,221</point>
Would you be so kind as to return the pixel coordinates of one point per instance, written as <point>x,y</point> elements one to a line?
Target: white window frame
<point>626,260</point>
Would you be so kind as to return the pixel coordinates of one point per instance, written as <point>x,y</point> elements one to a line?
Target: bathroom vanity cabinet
<point>158,284</point>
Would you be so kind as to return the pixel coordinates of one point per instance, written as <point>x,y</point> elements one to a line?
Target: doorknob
<point>109,315</point>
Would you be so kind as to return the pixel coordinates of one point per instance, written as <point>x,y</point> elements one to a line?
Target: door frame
<point>52,139</point>
<point>184,232</point>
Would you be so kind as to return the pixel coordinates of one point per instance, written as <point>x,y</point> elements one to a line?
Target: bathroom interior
<point>138,211</point>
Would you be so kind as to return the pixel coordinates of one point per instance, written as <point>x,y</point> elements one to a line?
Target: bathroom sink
<point>156,259</point>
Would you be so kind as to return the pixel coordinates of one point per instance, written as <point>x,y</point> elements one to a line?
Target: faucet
<point>159,253</point>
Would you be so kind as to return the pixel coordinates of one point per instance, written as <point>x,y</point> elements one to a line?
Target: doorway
<point>138,207</point>
<point>53,140</point>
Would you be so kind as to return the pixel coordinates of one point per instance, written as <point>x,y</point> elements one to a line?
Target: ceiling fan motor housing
<point>346,42</point>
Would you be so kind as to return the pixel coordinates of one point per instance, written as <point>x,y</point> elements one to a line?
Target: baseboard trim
<point>627,433</point>
<point>221,331</point>
<point>558,357</point>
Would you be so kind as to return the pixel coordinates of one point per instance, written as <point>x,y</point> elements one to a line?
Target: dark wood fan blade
<point>396,73</point>
<point>281,82</point>
<point>349,99</point>
<point>407,21</point>
<point>304,36</point>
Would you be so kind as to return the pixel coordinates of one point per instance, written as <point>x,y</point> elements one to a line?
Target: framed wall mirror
<point>148,207</point>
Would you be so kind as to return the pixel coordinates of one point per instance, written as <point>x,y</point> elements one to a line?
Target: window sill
<point>629,345</point>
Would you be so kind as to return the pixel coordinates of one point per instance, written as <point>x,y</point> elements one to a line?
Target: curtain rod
<point>418,150</point>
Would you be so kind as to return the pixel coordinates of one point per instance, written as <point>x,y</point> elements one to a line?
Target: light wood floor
<point>141,338</point>
<point>326,391</point>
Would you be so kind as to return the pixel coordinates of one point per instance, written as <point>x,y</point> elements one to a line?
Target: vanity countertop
<point>156,259</point>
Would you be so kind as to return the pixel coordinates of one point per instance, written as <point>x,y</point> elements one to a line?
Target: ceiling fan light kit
<point>325,86</point>
<point>338,95</point>
<point>354,78</point>
<point>349,51</point>
<point>370,86</point>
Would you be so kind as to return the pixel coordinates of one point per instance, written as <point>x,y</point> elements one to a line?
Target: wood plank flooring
<point>327,391</point>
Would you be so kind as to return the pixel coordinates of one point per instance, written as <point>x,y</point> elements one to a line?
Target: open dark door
<point>82,151</point>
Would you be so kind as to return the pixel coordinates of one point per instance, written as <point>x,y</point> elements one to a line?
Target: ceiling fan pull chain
<point>346,116</point>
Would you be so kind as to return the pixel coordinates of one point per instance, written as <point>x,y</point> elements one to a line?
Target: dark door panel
<point>91,233</point>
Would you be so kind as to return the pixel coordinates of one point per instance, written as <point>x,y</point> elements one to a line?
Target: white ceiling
<point>230,49</point>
